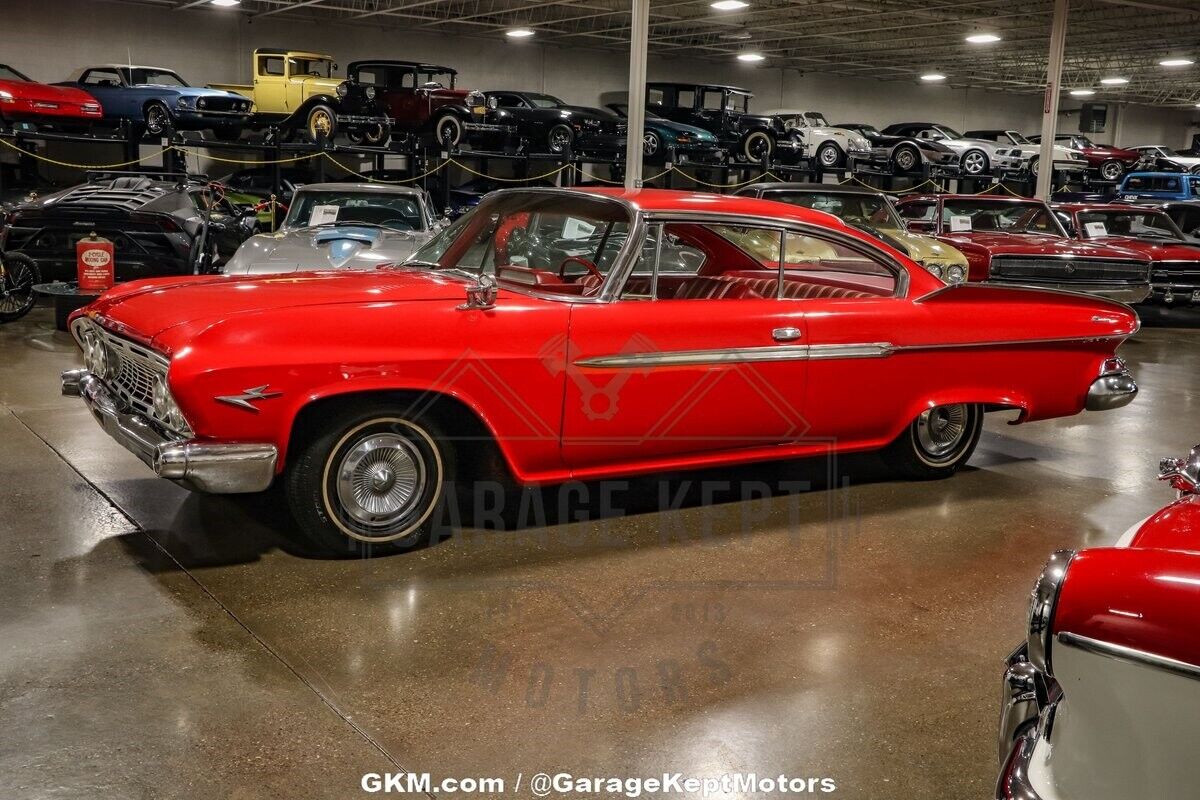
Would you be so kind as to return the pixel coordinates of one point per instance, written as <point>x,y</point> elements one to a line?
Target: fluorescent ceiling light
<point>1176,62</point>
<point>1114,81</point>
<point>729,5</point>
<point>1082,92</point>
<point>519,33</point>
<point>983,38</point>
<point>750,56</point>
<point>933,77</point>
<point>226,3</point>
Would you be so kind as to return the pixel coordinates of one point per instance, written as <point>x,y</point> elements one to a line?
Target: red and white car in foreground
<point>1103,699</point>
<point>575,335</point>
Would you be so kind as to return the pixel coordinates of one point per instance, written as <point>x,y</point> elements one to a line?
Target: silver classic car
<point>341,226</point>
<point>976,156</point>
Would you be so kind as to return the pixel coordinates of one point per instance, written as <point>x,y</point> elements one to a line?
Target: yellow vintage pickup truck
<point>297,90</point>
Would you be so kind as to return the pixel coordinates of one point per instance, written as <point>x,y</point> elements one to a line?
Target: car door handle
<point>786,334</point>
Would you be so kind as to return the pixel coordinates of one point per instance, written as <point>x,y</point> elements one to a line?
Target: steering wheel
<point>589,266</point>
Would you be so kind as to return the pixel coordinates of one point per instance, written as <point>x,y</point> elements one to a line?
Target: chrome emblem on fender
<point>244,400</point>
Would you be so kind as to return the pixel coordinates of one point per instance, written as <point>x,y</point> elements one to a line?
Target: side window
<point>918,212</point>
<point>1170,184</point>
<point>508,101</point>
<point>408,80</point>
<point>686,99</point>
<point>270,65</point>
<point>713,99</point>
<point>102,77</point>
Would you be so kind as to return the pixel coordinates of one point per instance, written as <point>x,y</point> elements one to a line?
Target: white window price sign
<point>323,214</point>
<point>960,224</point>
<point>1095,229</point>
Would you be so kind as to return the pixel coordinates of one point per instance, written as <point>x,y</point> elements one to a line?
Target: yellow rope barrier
<point>467,169</point>
<point>369,179</point>
<point>69,165</point>
<point>729,185</point>
<point>211,157</point>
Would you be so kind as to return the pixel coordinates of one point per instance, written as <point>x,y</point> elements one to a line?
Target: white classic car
<point>1065,159</point>
<point>828,146</point>
<point>341,226</point>
<point>1159,153</point>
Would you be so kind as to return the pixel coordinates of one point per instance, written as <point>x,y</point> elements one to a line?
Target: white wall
<point>51,39</point>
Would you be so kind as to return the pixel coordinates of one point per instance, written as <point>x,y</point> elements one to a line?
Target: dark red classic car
<point>1103,699</point>
<point>1016,240</point>
<point>1109,162</point>
<point>23,100</point>
<point>423,99</point>
<point>1174,257</point>
<point>577,335</point>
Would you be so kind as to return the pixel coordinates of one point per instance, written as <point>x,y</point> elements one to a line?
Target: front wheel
<point>1112,170</point>
<point>975,162</point>
<point>373,482</point>
<point>829,156</point>
<point>652,145</point>
<point>938,442</point>
<point>448,131</point>
<point>321,122</point>
<point>560,138</point>
<point>18,275</point>
<point>906,159</point>
<point>156,119</point>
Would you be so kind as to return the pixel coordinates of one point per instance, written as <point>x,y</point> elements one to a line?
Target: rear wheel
<point>937,442</point>
<point>371,482</point>
<point>560,138</point>
<point>906,159</point>
<point>156,118</point>
<point>18,275</point>
<point>1112,170</point>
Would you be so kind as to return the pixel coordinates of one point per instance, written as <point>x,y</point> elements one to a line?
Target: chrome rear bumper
<point>1113,389</point>
<point>203,466</point>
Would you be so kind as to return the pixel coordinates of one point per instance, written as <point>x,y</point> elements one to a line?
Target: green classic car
<point>870,211</point>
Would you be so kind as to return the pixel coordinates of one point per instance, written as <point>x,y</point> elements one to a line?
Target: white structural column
<point>1054,68</point>
<point>638,42</point>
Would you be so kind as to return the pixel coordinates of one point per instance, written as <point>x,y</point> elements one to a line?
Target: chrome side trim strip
<point>732,355</point>
<point>1129,655</point>
<point>819,352</point>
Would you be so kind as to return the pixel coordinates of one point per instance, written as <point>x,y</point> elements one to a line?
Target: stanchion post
<point>444,175</point>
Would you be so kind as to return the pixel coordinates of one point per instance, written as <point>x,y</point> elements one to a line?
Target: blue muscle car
<point>155,98</point>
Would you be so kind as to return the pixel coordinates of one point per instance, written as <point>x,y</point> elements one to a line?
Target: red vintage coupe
<point>1109,162</point>
<point>1174,257</point>
<point>23,100</point>
<point>1016,240</point>
<point>573,334</point>
<point>1103,699</point>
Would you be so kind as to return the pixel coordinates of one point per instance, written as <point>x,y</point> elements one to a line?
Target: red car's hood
<point>1112,152</point>
<point>1159,251</point>
<point>26,90</point>
<point>999,243</point>
<point>143,310</point>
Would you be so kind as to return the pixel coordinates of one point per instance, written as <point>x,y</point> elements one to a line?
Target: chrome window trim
<point>1130,655</point>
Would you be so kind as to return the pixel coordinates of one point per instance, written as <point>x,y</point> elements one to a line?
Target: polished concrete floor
<point>155,644</point>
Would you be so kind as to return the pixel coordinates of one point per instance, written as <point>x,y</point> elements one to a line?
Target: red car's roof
<point>673,200</point>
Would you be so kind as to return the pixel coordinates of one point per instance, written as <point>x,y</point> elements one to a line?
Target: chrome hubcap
<point>904,159</point>
<point>1112,172</point>
<point>829,156</point>
<point>380,479</point>
<point>941,429</point>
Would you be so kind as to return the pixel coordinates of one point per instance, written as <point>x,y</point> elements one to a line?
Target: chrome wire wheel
<point>974,163</point>
<point>320,123</point>
<point>940,431</point>
<point>18,274</point>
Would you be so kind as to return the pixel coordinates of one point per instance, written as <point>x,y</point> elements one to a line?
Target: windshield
<point>544,101</point>
<point>1017,138</point>
<point>155,77</point>
<point>967,215</point>
<point>1083,141</point>
<point>7,73</point>
<point>312,67</point>
<point>402,212</point>
<point>816,119</point>
<point>1167,151</point>
<point>553,241</point>
<point>862,210</point>
<point>1138,224</point>
<point>949,133</point>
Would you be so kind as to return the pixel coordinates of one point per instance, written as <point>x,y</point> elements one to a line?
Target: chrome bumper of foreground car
<point>1113,389</point>
<point>1023,693</point>
<point>215,467</point>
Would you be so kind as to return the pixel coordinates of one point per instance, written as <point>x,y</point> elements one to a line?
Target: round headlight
<point>95,355</point>
<point>370,92</point>
<point>934,269</point>
<point>181,102</point>
<point>201,103</point>
<point>159,398</point>
<point>343,89</point>
<point>955,274</point>
<point>1041,609</point>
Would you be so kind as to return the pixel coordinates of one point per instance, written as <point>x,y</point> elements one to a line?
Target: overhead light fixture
<point>226,3</point>
<point>729,5</point>
<point>1082,92</point>
<point>1114,81</point>
<point>983,38</point>
<point>751,57</point>
<point>1176,62</point>
<point>519,33</point>
<point>933,77</point>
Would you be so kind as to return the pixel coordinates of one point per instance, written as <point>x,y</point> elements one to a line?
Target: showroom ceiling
<point>887,39</point>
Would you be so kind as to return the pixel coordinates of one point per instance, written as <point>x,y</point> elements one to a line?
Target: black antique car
<point>903,155</point>
<point>156,223</point>
<point>546,121</point>
<point>725,112</point>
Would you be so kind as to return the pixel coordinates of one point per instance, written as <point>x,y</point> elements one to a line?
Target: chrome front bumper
<point>1024,693</point>
<point>202,466</point>
<point>1113,389</point>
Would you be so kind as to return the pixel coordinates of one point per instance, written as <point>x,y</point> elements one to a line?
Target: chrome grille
<point>136,369</point>
<point>1069,269</point>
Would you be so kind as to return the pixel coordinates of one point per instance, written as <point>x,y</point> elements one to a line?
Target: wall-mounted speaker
<point>1093,117</point>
